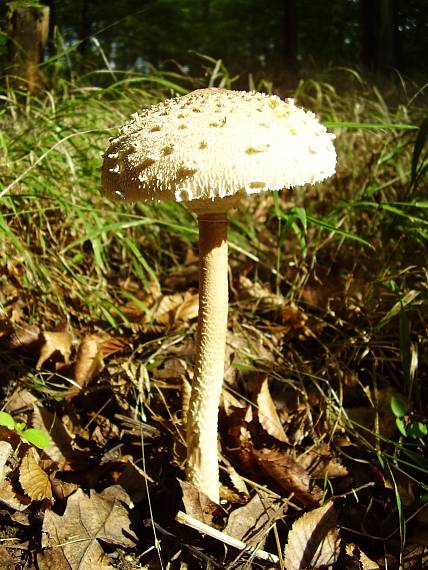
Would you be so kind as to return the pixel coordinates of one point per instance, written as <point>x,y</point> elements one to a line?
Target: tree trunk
<point>28,29</point>
<point>289,42</point>
<point>379,35</point>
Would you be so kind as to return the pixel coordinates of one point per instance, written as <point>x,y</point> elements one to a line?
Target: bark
<point>379,35</point>
<point>202,418</point>
<point>28,29</point>
<point>290,45</point>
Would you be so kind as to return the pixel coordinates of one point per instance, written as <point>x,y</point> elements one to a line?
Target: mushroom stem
<point>202,419</point>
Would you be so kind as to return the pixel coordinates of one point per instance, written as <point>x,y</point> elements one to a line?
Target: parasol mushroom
<point>207,149</point>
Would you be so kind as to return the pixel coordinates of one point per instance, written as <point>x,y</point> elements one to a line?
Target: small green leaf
<point>398,405</point>
<point>20,426</point>
<point>37,437</point>
<point>6,420</point>
<point>401,427</point>
<point>417,430</point>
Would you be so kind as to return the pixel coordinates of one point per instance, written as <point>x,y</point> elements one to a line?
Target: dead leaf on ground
<point>55,343</point>
<point>5,452</point>
<point>198,505</point>
<point>288,474</point>
<point>34,481</point>
<point>89,359</point>
<point>319,463</point>
<point>313,541</point>
<point>21,337</point>
<point>72,540</point>
<point>355,556</point>
<point>266,411</point>
<point>59,448</point>
<point>252,522</point>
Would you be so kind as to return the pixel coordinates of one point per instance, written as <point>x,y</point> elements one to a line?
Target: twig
<point>203,528</point>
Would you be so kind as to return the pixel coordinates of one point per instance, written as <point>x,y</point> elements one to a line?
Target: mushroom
<point>207,149</point>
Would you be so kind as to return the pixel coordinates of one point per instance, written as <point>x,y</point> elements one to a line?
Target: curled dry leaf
<point>353,555</point>
<point>34,481</point>
<point>89,359</point>
<point>288,474</point>
<point>5,453</point>
<point>55,343</point>
<point>266,411</point>
<point>313,541</point>
<point>72,540</point>
<point>21,337</point>
<point>198,505</point>
<point>251,523</point>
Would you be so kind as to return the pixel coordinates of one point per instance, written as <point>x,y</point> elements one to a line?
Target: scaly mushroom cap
<point>214,143</point>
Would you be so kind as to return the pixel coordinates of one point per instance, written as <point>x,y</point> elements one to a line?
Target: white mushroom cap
<point>214,143</point>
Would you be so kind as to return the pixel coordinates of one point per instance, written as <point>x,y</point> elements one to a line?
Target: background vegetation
<point>328,289</point>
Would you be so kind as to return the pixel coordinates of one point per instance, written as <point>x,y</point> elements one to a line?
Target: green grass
<point>350,253</point>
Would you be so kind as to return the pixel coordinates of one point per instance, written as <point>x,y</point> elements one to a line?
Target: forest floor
<point>323,427</point>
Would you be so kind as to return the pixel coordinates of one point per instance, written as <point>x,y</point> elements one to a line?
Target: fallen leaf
<point>72,540</point>
<point>198,505</point>
<point>55,343</point>
<point>252,522</point>
<point>34,481</point>
<point>354,555</point>
<point>266,411</point>
<point>89,359</point>
<point>59,448</point>
<point>318,463</point>
<point>313,541</point>
<point>5,453</point>
<point>22,336</point>
<point>288,474</point>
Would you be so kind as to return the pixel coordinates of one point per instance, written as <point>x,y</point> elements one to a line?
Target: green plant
<point>34,436</point>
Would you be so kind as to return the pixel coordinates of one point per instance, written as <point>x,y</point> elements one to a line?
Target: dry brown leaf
<point>22,336</point>
<point>59,448</point>
<point>197,504</point>
<point>113,346</point>
<point>288,474</point>
<point>170,309</point>
<point>252,522</point>
<point>313,541</point>
<point>20,399</point>
<point>72,540</point>
<point>354,555</point>
<point>34,481</point>
<point>319,463</point>
<point>266,411</point>
<point>5,453</point>
<point>11,499</point>
<point>89,359</point>
<point>55,343</point>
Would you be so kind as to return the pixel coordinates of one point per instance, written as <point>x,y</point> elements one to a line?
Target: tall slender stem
<point>202,420</point>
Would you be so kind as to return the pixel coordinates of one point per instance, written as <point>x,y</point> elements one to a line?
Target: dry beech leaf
<point>319,463</point>
<point>22,336</point>
<point>252,522</point>
<point>288,474</point>
<point>20,399</point>
<point>171,309</point>
<point>5,452</point>
<point>11,499</point>
<point>54,342</point>
<point>72,540</point>
<point>59,448</point>
<point>266,411</point>
<point>313,541</point>
<point>89,359</point>
<point>113,346</point>
<point>34,481</point>
<point>356,556</point>
<point>198,505</point>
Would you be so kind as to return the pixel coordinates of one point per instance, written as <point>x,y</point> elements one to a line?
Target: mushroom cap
<point>214,143</point>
